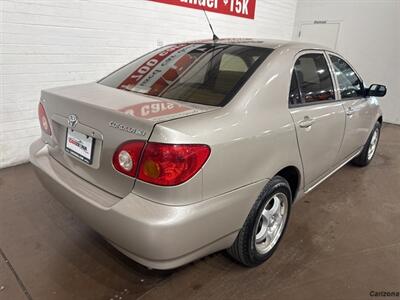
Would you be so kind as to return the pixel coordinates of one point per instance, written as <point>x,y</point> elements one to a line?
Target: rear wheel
<point>369,150</point>
<point>265,224</point>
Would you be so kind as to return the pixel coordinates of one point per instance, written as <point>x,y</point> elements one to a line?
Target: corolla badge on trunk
<point>72,120</point>
<point>126,128</point>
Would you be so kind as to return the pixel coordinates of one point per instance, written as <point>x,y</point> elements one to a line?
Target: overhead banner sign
<point>237,8</point>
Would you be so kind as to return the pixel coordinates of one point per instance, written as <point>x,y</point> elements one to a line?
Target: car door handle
<point>306,122</point>
<point>350,111</point>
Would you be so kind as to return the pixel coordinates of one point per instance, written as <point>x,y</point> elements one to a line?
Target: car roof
<point>265,43</point>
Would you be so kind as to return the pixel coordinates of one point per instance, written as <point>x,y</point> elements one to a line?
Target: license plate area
<point>79,145</point>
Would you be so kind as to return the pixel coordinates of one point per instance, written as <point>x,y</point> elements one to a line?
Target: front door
<point>319,118</point>
<point>357,108</point>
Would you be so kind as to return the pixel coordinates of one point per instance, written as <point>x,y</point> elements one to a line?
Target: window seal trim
<point>313,103</point>
<point>296,57</point>
<point>328,54</point>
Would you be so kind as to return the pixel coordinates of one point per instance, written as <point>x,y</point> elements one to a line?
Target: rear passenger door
<point>319,118</point>
<point>358,110</point>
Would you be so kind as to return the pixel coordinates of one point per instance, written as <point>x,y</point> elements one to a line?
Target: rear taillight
<point>126,158</point>
<point>161,164</point>
<point>166,164</point>
<point>44,122</point>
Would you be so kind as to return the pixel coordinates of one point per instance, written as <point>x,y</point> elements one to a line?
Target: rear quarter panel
<point>251,138</point>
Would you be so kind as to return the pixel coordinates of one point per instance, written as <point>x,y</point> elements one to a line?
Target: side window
<point>294,93</point>
<point>314,78</point>
<point>350,85</point>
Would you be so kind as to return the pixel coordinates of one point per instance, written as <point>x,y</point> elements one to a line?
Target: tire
<point>366,156</point>
<point>248,248</point>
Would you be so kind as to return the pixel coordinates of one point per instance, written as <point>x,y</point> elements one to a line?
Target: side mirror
<point>376,90</point>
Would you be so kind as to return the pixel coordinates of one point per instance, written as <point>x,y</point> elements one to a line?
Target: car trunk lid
<point>108,117</point>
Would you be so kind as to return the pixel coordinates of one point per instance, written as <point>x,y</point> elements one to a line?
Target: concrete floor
<point>343,241</point>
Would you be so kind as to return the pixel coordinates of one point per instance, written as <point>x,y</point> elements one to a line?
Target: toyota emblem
<point>72,120</point>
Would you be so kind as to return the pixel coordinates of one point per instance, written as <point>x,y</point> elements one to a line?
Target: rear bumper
<point>155,235</point>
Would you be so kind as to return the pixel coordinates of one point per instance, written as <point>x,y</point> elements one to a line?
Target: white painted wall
<point>48,43</point>
<point>369,37</point>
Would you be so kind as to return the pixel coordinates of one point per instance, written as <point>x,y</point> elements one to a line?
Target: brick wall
<point>53,43</point>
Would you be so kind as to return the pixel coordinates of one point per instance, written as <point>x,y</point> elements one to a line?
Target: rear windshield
<point>209,74</point>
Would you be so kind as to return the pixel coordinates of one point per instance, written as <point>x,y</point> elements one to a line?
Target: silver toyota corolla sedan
<point>203,146</point>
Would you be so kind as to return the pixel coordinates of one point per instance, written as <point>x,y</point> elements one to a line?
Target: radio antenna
<point>215,38</point>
